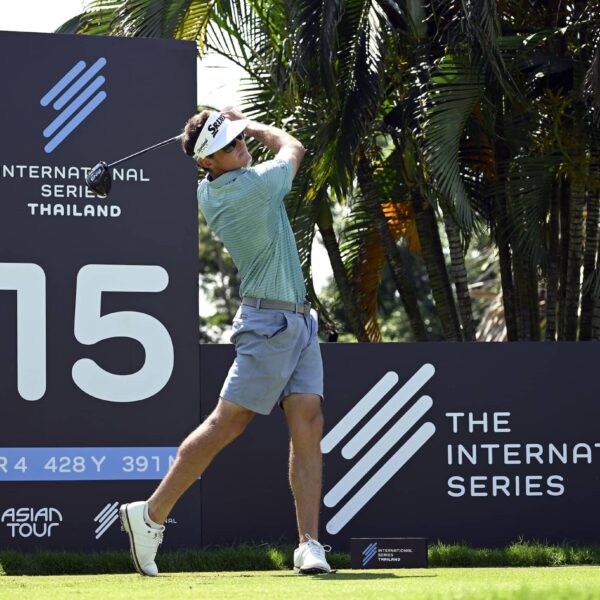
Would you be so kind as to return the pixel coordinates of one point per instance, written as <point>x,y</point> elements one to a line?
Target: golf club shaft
<point>173,139</point>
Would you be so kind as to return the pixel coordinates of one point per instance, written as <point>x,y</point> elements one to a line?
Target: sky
<point>37,15</point>
<point>46,16</point>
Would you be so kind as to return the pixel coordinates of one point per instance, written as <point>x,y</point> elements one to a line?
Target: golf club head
<point>99,180</point>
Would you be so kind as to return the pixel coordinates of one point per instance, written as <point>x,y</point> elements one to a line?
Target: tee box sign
<point>98,296</point>
<point>388,553</point>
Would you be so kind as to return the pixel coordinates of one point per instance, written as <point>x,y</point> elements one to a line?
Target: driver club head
<point>99,179</point>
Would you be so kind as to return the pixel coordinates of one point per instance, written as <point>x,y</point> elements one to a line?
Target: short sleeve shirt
<point>245,210</point>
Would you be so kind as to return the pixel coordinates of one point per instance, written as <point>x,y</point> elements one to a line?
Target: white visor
<point>217,132</point>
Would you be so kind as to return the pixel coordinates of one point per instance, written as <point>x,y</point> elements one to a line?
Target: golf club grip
<point>164,143</point>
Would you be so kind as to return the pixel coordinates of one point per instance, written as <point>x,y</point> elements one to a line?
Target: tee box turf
<point>388,553</point>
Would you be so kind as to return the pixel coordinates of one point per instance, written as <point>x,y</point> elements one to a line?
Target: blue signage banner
<point>85,464</point>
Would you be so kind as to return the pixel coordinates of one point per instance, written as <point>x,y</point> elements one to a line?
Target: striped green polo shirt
<point>245,209</point>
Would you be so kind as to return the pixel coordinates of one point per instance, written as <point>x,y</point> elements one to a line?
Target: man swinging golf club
<point>278,360</point>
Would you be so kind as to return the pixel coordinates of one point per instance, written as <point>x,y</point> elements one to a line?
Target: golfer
<point>278,360</point>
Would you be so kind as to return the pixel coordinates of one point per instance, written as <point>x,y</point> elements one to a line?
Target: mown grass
<point>563,583</point>
<point>267,557</point>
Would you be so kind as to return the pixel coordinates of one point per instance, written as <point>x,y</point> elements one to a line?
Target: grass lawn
<point>547,583</point>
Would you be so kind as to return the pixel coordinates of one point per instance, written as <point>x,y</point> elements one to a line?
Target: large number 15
<point>29,281</point>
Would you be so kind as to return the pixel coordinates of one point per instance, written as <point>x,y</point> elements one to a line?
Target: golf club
<point>99,179</point>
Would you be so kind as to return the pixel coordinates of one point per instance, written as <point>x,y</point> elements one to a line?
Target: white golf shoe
<point>144,539</point>
<point>309,558</point>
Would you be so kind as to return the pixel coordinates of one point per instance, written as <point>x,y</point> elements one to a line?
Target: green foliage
<point>272,557</point>
<point>454,90</point>
<point>219,282</point>
<point>486,110</point>
<point>178,19</point>
<point>519,554</point>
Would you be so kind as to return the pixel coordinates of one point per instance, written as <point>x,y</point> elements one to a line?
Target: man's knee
<point>304,410</point>
<point>226,422</point>
<point>230,420</point>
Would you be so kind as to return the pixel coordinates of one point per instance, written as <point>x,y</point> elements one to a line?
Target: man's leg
<point>143,520</point>
<point>195,453</point>
<point>305,421</point>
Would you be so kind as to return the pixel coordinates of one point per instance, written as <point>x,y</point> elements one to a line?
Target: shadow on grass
<point>370,576</point>
<point>347,576</point>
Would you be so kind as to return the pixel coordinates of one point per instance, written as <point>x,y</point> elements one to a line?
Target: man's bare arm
<point>282,144</point>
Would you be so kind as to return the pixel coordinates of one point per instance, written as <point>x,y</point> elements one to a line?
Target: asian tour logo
<point>26,522</point>
<point>382,446</point>
<point>76,96</point>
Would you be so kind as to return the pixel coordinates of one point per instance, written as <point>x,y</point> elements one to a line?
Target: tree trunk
<point>459,276</point>
<point>588,308</point>
<point>589,264</point>
<point>325,225</point>
<point>405,288</point>
<point>534,304</point>
<point>596,320</point>
<point>595,169</point>
<point>433,256</point>
<point>500,229</point>
<point>577,201</point>
<point>564,252</point>
<point>574,257</point>
<point>522,298</point>
<point>553,266</point>
<point>508,290</point>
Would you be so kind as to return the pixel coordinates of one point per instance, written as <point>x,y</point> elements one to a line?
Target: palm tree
<point>431,118</point>
<point>537,140</point>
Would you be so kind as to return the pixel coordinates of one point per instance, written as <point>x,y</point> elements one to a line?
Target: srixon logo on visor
<point>214,127</point>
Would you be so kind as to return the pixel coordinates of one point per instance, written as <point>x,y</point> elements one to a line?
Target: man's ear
<point>205,163</point>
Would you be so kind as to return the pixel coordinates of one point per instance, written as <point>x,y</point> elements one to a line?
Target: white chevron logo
<point>379,449</point>
<point>105,518</point>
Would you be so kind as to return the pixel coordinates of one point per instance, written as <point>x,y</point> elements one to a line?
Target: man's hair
<point>192,130</point>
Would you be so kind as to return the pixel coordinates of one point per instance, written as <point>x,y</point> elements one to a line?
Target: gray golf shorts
<point>277,353</point>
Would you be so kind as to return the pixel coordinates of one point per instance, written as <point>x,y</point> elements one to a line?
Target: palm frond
<point>340,135</point>
<point>176,19</point>
<point>73,25</point>
<point>98,18</point>
<point>482,17</point>
<point>450,97</point>
<point>592,81</point>
<point>361,249</point>
<point>364,260</point>
<point>475,28</point>
<point>529,194</point>
<point>331,16</point>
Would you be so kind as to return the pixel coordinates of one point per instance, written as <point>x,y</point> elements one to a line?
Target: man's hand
<point>232,113</point>
<point>278,141</point>
<point>282,144</point>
